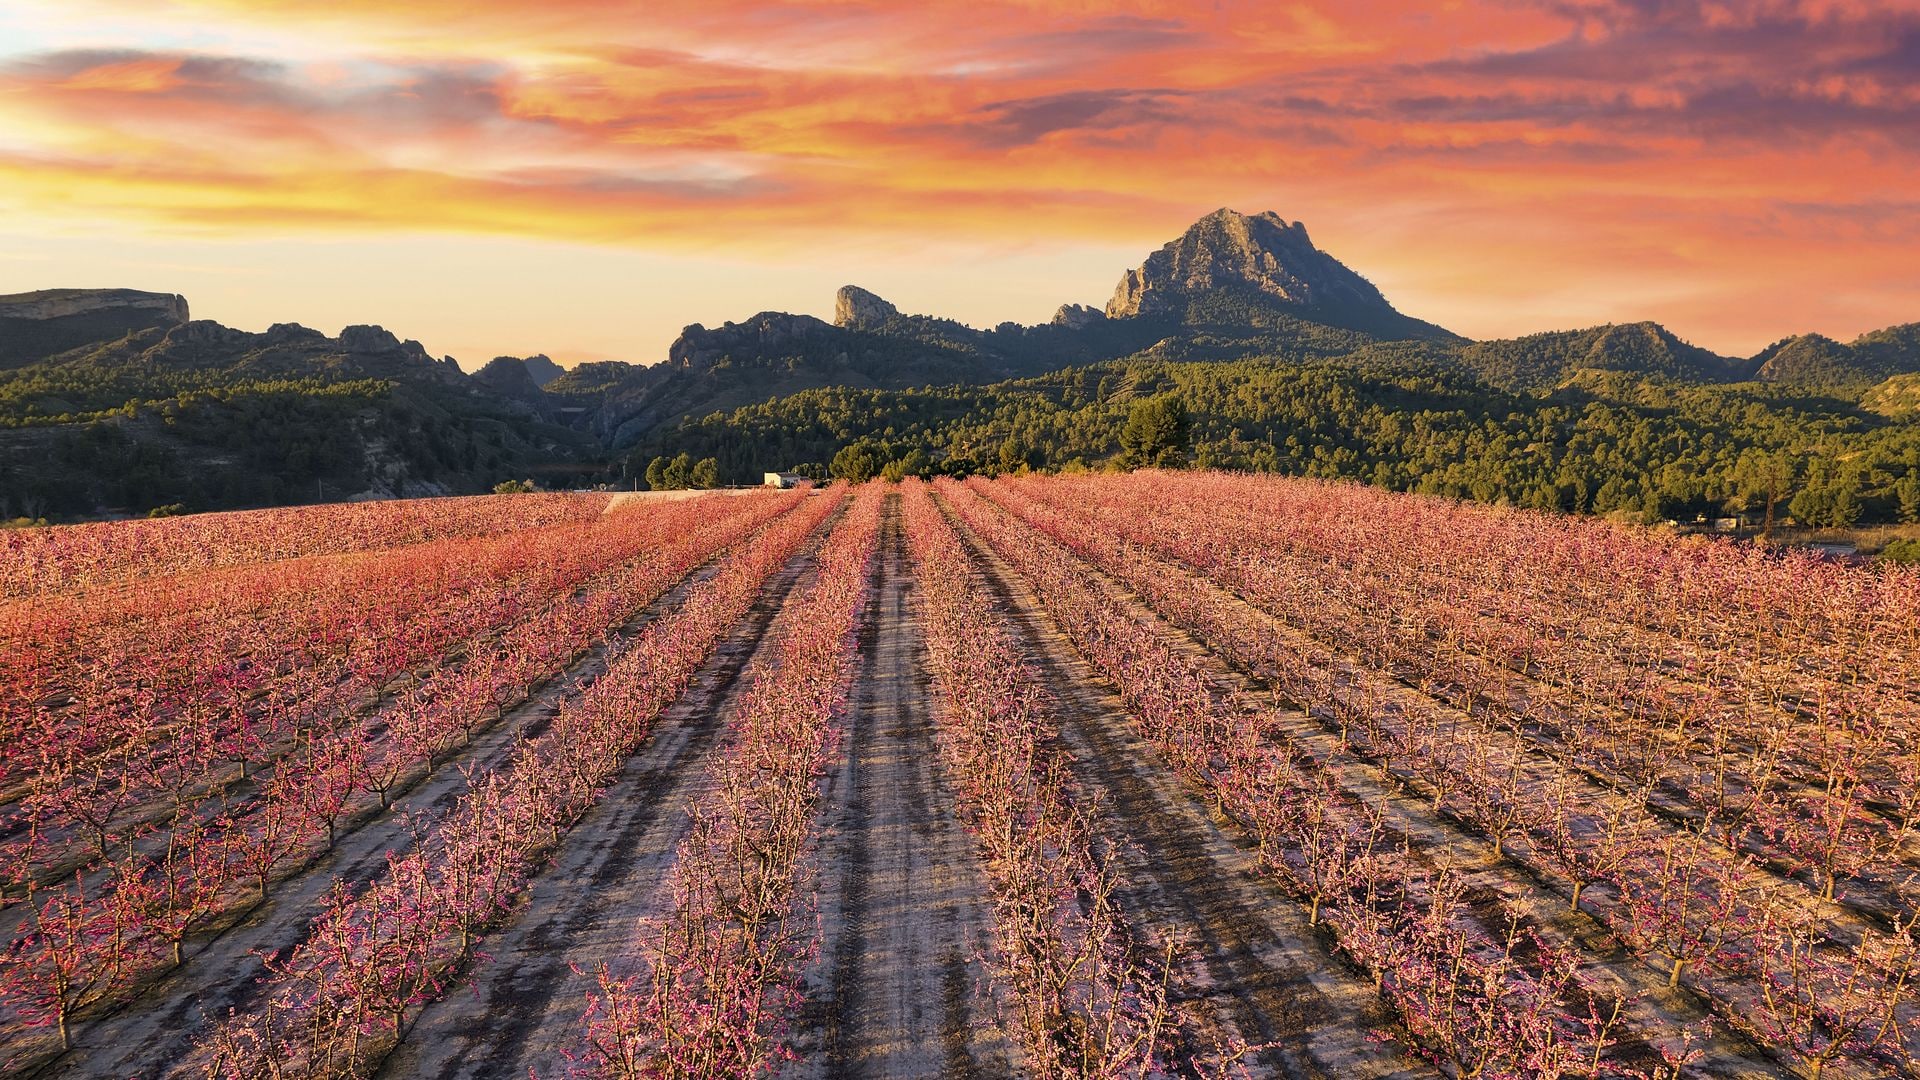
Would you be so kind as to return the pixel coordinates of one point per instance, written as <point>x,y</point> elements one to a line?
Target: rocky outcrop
<point>699,348</point>
<point>856,308</point>
<point>284,333</point>
<point>204,333</point>
<point>67,303</point>
<point>369,339</point>
<point>37,325</point>
<point>1078,316</point>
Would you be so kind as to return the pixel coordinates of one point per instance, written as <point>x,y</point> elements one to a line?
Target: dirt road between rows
<point>898,990</point>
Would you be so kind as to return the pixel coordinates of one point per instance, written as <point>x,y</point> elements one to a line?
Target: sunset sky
<point>583,177</point>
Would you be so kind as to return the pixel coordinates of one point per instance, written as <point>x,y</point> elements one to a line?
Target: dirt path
<point>152,1034</point>
<point>518,1012</point>
<point>897,991</point>
<point>1253,968</point>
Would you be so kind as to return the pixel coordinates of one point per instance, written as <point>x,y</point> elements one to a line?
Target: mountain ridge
<point>1231,289</point>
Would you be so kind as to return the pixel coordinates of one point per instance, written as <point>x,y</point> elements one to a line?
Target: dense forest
<point>193,441</point>
<point>1645,445</point>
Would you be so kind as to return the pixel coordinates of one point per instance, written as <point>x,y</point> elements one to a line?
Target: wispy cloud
<point>1667,128</point>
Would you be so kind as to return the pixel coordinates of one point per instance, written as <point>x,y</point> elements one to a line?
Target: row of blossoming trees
<point>1087,993</point>
<point>1710,749</point>
<point>714,979</point>
<point>1425,718</point>
<point>336,1004</point>
<point>69,558</point>
<point>174,750</point>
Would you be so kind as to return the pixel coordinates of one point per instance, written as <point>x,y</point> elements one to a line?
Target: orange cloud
<point>143,76</point>
<point>1678,154</point>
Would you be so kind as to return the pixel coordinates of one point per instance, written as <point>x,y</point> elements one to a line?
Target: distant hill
<point>1816,360</point>
<point>115,400</point>
<point>204,416</point>
<point>1542,361</point>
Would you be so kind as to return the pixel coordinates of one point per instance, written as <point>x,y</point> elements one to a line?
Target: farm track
<point>1252,966</point>
<point>897,990</point>
<point>516,1013</point>
<point>153,1033</point>
<point>1438,842</point>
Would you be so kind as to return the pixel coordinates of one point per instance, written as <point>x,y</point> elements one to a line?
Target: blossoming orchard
<point>1115,776</point>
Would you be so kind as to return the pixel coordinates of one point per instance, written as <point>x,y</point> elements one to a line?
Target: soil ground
<point>898,990</point>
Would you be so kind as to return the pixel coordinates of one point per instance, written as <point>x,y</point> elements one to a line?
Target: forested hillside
<point>1602,442</point>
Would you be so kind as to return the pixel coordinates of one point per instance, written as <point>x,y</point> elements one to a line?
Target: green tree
<point>1013,454</point>
<point>513,487</point>
<point>706,474</point>
<point>1768,478</point>
<point>657,474</point>
<point>1905,550</point>
<point>857,462</point>
<point>1907,490</point>
<point>916,463</point>
<point>679,472</point>
<point>1156,434</point>
<point>1844,513</point>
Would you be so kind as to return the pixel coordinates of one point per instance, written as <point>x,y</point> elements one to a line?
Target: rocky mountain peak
<point>1264,252</point>
<point>511,377</point>
<point>282,333</point>
<point>369,339</point>
<point>541,368</point>
<point>855,307</point>
<point>1077,316</point>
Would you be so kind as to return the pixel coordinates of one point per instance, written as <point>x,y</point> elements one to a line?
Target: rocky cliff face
<point>1263,257</point>
<point>67,303</point>
<point>855,307</point>
<point>40,324</point>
